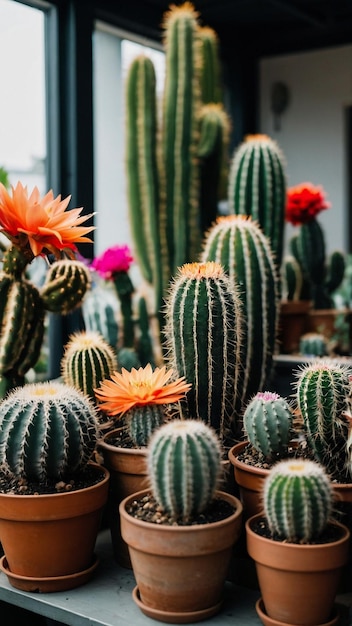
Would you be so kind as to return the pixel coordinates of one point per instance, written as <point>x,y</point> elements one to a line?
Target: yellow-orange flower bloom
<point>138,388</point>
<point>42,223</point>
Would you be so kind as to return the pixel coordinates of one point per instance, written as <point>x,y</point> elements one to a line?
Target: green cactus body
<point>47,430</point>
<point>211,87</point>
<point>99,314</point>
<point>203,330</point>
<point>239,245</point>
<point>65,285</point>
<point>292,279</point>
<point>297,500</point>
<point>257,187</point>
<point>313,344</point>
<point>142,421</point>
<point>322,396</point>
<point>184,467</point>
<point>267,420</point>
<point>127,358</point>
<point>88,359</point>
<point>145,342</point>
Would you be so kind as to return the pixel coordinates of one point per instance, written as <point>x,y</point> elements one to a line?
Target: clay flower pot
<point>292,324</point>
<point>128,474</point>
<point>49,539</point>
<point>180,570</point>
<point>249,479</point>
<point>298,582</point>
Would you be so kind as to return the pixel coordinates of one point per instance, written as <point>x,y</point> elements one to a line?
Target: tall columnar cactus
<point>203,330</point>
<point>297,500</point>
<point>211,79</point>
<point>99,310</point>
<point>239,245</point>
<point>257,187</point>
<point>323,389</point>
<point>267,421</point>
<point>184,467</point>
<point>47,431</point>
<point>65,285</point>
<point>88,359</point>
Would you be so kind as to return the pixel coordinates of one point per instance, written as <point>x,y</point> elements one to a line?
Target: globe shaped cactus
<point>267,421</point>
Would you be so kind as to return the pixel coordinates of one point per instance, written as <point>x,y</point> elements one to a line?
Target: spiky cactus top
<point>203,331</point>
<point>184,467</point>
<point>297,500</point>
<point>66,283</point>
<point>47,431</point>
<point>257,187</point>
<point>267,422</point>
<point>323,390</point>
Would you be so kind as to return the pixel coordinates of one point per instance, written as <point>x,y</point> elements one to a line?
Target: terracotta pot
<point>249,479</point>
<point>298,582</point>
<point>269,621</point>
<point>180,570</point>
<point>128,474</point>
<point>292,324</point>
<point>53,535</point>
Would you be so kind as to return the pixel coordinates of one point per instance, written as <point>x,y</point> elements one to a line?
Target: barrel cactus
<point>298,500</point>
<point>313,344</point>
<point>323,390</point>
<point>47,431</point>
<point>257,187</point>
<point>267,421</point>
<point>203,331</point>
<point>184,467</point>
<point>88,359</point>
<point>239,245</point>
<point>65,285</point>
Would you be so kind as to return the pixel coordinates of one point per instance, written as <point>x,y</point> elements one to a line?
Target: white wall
<point>313,132</point>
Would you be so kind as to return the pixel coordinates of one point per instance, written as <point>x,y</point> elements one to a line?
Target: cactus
<point>313,344</point>
<point>239,245</point>
<point>47,431</point>
<point>142,421</point>
<point>65,285</point>
<point>292,279</point>
<point>210,79</point>
<point>127,358</point>
<point>257,187</point>
<point>87,360</point>
<point>203,336</point>
<point>145,343</point>
<point>267,421</point>
<point>99,314</point>
<point>184,467</point>
<point>323,389</point>
<point>297,500</point>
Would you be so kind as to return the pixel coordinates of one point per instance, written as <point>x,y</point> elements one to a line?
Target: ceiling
<point>262,26</point>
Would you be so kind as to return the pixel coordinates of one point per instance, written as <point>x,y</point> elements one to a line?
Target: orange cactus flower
<point>43,224</point>
<point>138,388</point>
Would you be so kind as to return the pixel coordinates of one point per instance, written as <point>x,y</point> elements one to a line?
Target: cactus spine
<point>257,187</point>
<point>65,285</point>
<point>323,389</point>
<point>203,331</point>
<point>239,245</point>
<point>267,421</point>
<point>142,421</point>
<point>313,344</point>
<point>297,500</point>
<point>184,467</point>
<point>47,430</point>
<point>88,359</point>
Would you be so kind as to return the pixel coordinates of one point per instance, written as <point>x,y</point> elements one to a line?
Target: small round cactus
<point>298,499</point>
<point>47,431</point>
<point>65,286</point>
<point>184,466</point>
<point>142,421</point>
<point>88,359</point>
<point>313,344</point>
<point>267,421</point>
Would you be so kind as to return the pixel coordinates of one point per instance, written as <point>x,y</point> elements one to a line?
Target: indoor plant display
<point>51,495</point>
<point>299,552</point>
<point>180,551</point>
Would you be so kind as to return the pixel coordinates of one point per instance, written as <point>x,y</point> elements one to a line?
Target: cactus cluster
<point>239,245</point>
<point>257,187</point>
<point>323,390</point>
<point>88,359</point>
<point>47,431</point>
<point>267,421</point>
<point>203,331</point>
<point>313,344</point>
<point>297,500</point>
<point>184,467</point>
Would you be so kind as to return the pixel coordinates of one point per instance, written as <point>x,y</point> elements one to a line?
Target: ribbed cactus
<point>47,431</point>
<point>211,79</point>
<point>142,421</point>
<point>297,499</point>
<point>257,187</point>
<point>99,310</point>
<point>145,341</point>
<point>292,279</point>
<point>184,467</point>
<point>204,336</point>
<point>313,344</point>
<point>65,285</point>
<point>239,245</point>
<point>267,421</point>
<point>88,359</point>
<point>323,389</point>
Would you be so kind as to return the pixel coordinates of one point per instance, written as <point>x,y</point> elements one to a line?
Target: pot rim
<point>104,444</point>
